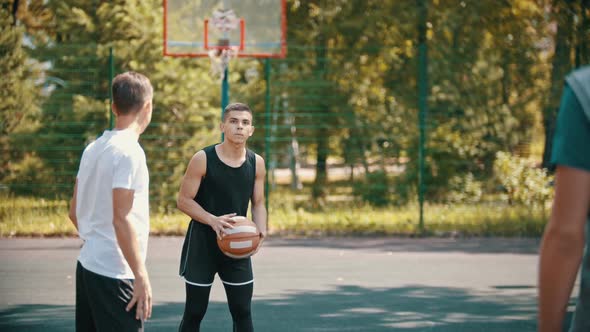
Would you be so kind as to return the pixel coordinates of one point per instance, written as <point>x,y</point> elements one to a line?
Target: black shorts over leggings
<point>201,259</point>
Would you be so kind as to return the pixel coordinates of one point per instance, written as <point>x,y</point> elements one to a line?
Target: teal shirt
<point>571,143</point>
<point>571,147</point>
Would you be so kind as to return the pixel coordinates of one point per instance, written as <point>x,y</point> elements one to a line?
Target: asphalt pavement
<point>324,284</point>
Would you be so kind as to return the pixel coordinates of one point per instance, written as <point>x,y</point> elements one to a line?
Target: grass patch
<point>439,220</point>
<point>291,216</point>
<point>24,216</point>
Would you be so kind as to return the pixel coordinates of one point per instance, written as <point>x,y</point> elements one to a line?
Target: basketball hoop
<point>193,28</point>
<point>225,21</point>
<point>220,59</point>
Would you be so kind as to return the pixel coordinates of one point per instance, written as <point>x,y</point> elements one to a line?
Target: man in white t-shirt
<point>110,209</point>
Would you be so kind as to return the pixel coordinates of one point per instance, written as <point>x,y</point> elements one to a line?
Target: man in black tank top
<point>218,184</point>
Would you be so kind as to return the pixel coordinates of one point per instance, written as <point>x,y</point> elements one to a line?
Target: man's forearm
<point>559,263</point>
<point>72,211</point>
<point>127,240</point>
<point>194,210</point>
<point>74,220</point>
<point>259,217</point>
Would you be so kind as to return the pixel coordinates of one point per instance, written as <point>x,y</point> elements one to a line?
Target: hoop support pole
<point>224,93</point>
<point>206,34</point>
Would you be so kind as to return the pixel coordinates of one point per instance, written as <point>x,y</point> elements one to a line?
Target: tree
<point>341,97</point>
<point>19,96</point>
<point>349,80</point>
<point>484,86</point>
<point>76,53</point>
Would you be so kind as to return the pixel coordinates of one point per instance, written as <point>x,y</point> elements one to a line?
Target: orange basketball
<point>240,241</point>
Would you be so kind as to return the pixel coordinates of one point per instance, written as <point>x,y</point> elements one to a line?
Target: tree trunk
<point>319,185</point>
<point>561,66</point>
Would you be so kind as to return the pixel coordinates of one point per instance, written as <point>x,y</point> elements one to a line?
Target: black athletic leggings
<point>239,299</point>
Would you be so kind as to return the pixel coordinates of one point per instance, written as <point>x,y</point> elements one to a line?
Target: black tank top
<point>225,189</point>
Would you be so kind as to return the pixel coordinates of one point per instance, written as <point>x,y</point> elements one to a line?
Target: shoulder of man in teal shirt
<point>571,143</point>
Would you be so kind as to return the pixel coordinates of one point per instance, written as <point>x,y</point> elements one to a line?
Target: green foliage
<point>19,97</point>
<point>77,110</point>
<point>347,92</point>
<point>27,171</point>
<point>487,80</point>
<point>524,184</point>
<point>374,189</point>
<point>465,189</point>
<point>485,89</point>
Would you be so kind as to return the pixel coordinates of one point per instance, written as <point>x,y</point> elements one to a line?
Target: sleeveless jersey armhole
<point>254,162</point>
<point>206,164</point>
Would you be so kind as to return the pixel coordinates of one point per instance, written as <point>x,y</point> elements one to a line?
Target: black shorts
<point>201,259</point>
<point>101,302</point>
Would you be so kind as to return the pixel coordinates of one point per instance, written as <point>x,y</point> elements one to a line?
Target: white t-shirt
<point>114,160</point>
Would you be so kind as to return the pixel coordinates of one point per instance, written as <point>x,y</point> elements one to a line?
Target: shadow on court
<point>347,308</point>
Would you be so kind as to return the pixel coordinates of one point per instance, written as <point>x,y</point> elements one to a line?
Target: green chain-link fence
<point>338,128</point>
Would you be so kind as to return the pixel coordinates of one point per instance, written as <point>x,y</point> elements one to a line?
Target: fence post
<point>267,133</point>
<point>422,101</point>
<point>111,76</point>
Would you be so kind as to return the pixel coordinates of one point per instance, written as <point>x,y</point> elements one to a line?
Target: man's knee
<point>195,313</point>
<point>240,311</point>
<point>197,299</point>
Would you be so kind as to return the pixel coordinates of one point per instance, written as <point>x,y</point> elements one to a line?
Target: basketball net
<point>224,20</point>
<point>220,59</point>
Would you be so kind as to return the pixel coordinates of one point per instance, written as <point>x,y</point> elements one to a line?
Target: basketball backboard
<point>254,28</point>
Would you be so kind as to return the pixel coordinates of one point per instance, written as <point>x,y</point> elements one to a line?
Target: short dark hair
<point>130,92</point>
<point>236,107</point>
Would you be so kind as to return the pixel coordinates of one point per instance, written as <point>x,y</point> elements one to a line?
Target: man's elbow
<point>256,205</point>
<point>565,240</point>
<point>180,203</point>
<point>119,222</point>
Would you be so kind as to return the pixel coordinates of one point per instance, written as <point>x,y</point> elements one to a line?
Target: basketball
<point>240,241</point>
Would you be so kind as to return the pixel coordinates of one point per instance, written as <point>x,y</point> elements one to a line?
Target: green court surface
<point>334,284</point>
